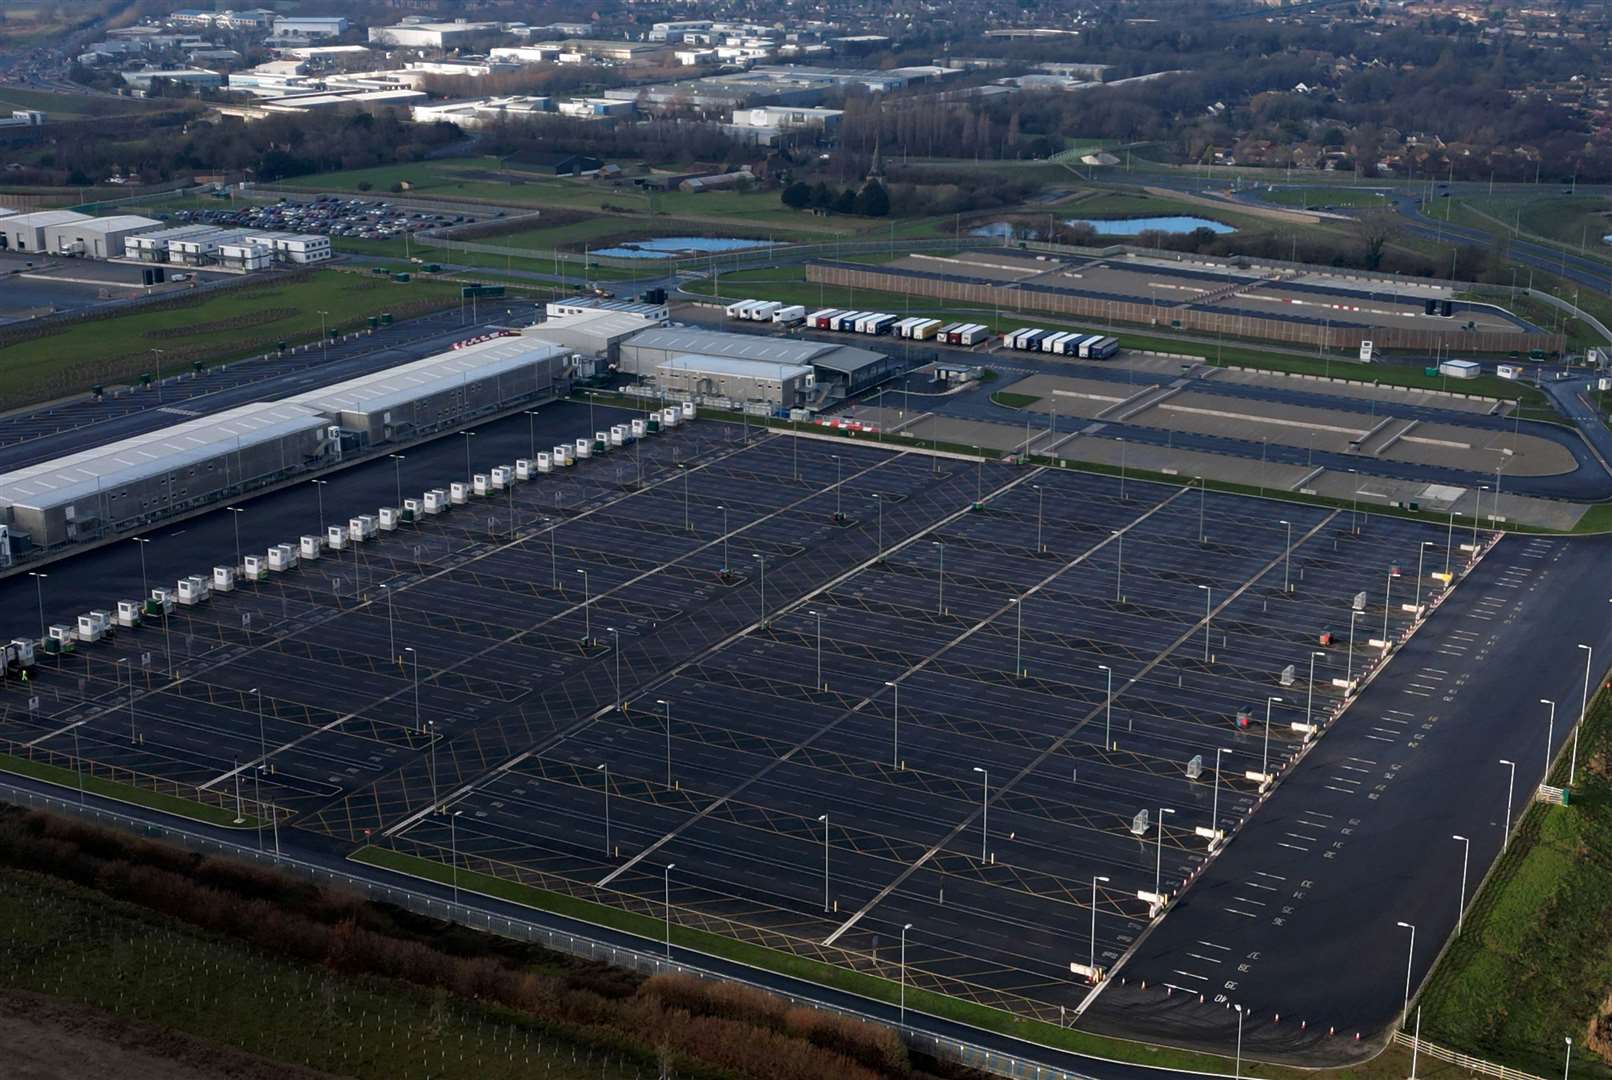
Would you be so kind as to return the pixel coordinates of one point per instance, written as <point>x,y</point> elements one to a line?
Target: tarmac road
<point>1297,919</point>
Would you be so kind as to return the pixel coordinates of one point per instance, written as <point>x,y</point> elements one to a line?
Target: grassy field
<point>1575,221</point>
<point>85,948</point>
<point>95,785</point>
<point>788,284</point>
<point>1533,965</point>
<point>221,326</point>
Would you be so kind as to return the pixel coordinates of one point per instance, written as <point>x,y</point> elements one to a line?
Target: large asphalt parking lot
<point>979,810</point>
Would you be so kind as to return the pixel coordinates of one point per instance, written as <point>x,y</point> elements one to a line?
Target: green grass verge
<point>210,328</point>
<point>1009,400</point>
<point>854,982</point>
<point>125,793</point>
<point>1319,198</point>
<point>1533,965</point>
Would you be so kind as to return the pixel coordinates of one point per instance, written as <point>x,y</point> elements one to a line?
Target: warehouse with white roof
<point>835,368</point>
<point>443,391</point>
<point>133,482</point>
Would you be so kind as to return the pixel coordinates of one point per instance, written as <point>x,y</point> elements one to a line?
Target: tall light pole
<point>1265,758</point>
<point>235,516</point>
<point>1567,1062</point>
<point>1550,738</point>
<point>145,588</point>
<point>818,615</point>
<point>1309,701</point>
<point>1202,497</point>
<point>824,819</point>
<point>762,560</point>
<point>1214,813</point>
<point>453,850</point>
<point>724,510</point>
<point>391,634</point>
<point>1108,709</point>
<point>878,504</point>
<point>1238,1075</point>
<point>1583,716</point>
<point>668,896</point>
<point>1119,566</point>
<point>904,930</point>
<point>1466,853</point>
<point>615,646</point>
<point>604,770</point>
<point>531,432</point>
<point>1388,593</point>
<point>1410,959</point>
<point>415,661</point>
<point>895,726</point>
<point>397,471</point>
<point>1158,864</point>
<point>319,486</point>
<point>39,589</point>
<point>469,471</point>
<point>1511,789</point>
<point>1421,556</point>
<point>1208,593</point>
<point>667,705</point>
<point>940,582</point>
<point>1349,670</point>
<point>587,612</point>
<point>1091,958</point>
<point>1040,500</point>
<point>1018,636</point>
<point>1287,559</point>
<point>985,810</point>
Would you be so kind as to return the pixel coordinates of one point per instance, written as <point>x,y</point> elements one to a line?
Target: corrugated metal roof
<point>41,218</point>
<point>734,365</point>
<point>682,339</point>
<point>116,223</point>
<point>104,468</point>
<point>432,375</point>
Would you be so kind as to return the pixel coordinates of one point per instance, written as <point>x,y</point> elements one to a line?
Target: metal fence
<point>1460,1060</point>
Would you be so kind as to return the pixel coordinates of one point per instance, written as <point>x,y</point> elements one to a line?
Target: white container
<point>63,633</point>
<point>91,628</point>
<point>282,557</point>
<point>688,410</point>
<point>223,579</point>
<point>361,528</point>
<point>22,650</point>
<point>386,519</point>
<point>163,600</point>
<point>194,590</point>
<point>434,501</point>
<point>545,462</point>
<point>584,448</point>
<point>411,510</point>
<point>618,435</point>
<point>671,417</point>
<point>311,548</point>
<point>502,477</point>
<point>790,316</point>
<point>640,428</point>
<point>336,537</point>
<point>128,613</point>
<point>524,469</point>
<point>255,568</point>
<point>480,484</point>
<point>458,493</point>
<point>564,456</point>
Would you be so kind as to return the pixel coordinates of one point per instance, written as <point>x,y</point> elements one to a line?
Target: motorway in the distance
<point>1297,921</point>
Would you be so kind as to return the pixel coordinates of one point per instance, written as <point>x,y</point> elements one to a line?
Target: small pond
<point>670,247</point>
<point>1179,223</point>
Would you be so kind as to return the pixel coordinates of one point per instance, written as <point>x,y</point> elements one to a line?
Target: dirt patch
<point>1598,1039</point>
<point>46,1039</point>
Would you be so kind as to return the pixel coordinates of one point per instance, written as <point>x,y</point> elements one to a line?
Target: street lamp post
<point>1349,669</point>
<point>1018,636</point>
<point>531,432</point>
<point>1238,1075</point>
<point>762,579</point>
<point>1583,715</point>
<point>1567,1062</point>
<point>1511,788</point>
<point>1287,559</point>
<point>469,469</point>
<point>587,611</point>
<point>667,705</point>
<point>39,589</point>
<point>1040,500</point>
<point>1550,738</point>
<point>615,646</point>
<point>940,582</point>
<point>1421,556</point>
<point>895,726</point>
<point>724,510</point>
<point>1208,593</point>
<point>879,508</point>
<point>824,819</point>
<point>1410,959</point>
<point>1309,701</point>
<point>235,516</point>
<point>1466,853</point>
<point>415,663</point>
<point>818,615</point>
<point>1388,593</point>
<point>1158,864</point>
<point>904,930</point>
<point>1265,758</point>
<point>668,896</point>
<point>319,486</point>
<point>1119,567</point>
<point>985,811</point>
<point>1214,813</point>
<point>397,471</point>
<point>604,770</point>
<point>453,851</point>
<point>1091,958</point>
<point>1108,708</point>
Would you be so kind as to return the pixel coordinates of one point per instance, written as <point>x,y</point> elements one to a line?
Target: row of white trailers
<point>196,589</point>
<point>1062,343</point>
<point>767,311</point>
<point>914,328</point>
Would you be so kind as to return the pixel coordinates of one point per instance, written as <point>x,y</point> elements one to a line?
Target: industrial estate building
<point>708,364</point>
<point>134,482</point>
<point>141,480</point>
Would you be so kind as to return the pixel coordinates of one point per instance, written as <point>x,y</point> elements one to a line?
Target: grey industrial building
<point>838,369</point>
<point>715,379</point>
<point>442,391</point>
<point>97,237</point>
<point>597,333</point>
<point>133,482</point>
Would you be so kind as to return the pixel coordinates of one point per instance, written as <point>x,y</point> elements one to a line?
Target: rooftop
<point>732,365</point>
<point>410,382</point>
